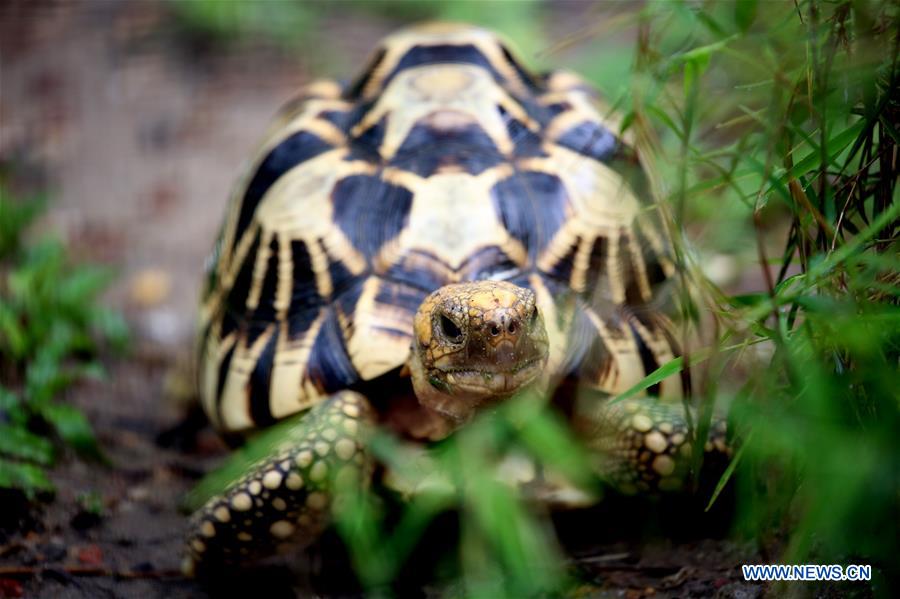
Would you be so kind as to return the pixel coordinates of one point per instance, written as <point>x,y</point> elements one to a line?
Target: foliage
<point>51,330</point>
<point>504,549</point>
<point>789,114</point>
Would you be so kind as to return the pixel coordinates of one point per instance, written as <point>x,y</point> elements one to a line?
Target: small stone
<point>92,555</point>
<point>150,287</point>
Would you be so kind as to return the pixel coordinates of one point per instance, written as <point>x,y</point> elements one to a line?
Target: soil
<point>138,129</point>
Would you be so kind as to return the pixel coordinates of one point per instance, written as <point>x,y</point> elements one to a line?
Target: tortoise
<point>448,228</point>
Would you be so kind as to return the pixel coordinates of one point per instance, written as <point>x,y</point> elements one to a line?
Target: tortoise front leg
<point>644,443</point>
<point>284,500</point>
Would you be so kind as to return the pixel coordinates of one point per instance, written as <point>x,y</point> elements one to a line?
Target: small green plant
<point>52,328</point>
<point>505,548</point>
<point>755,115</point>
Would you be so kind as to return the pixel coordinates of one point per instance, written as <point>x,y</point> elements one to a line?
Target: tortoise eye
<point>449,329</point>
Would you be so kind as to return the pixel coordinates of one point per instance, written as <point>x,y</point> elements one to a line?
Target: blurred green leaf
<point>28,478</point>
<point>654,378</point>
<point>91,502</point>
<point>729,472</point>
<point>549,439</point>
<point>8,399</point>
<point>813,160</point>
<point>12,336</point>
<point>18,443</point>
<point>73,427</point>
<point>745,13</point>
<point>82,285</point>
<point>15,217</point>
<point>111,326</point>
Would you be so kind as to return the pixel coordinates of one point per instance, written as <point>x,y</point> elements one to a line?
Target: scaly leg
<point>285,499</point>
<point>642,443</point>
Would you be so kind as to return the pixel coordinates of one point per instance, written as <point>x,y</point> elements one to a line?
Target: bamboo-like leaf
<point>654,378</point>
<point>729,472</point>
<point>813,160</point>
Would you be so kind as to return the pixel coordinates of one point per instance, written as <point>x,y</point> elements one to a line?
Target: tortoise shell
<point>445,161</point>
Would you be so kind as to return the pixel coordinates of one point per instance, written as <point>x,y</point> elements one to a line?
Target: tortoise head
<point>475,344</point>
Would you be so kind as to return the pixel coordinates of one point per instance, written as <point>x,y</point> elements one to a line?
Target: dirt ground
<point>138,133</point>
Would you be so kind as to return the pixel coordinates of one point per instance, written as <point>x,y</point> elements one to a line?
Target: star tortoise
<point>449,228</point>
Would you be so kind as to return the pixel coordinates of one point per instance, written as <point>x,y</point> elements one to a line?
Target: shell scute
<point>295,149</point>
<point>370,211</point>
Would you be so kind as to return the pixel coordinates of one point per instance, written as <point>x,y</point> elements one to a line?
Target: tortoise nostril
<point>511,328</point>
<point>495,330</point>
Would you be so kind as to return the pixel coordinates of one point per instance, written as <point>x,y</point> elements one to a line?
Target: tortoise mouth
<point>491,369</point>
<point>491,380</point>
